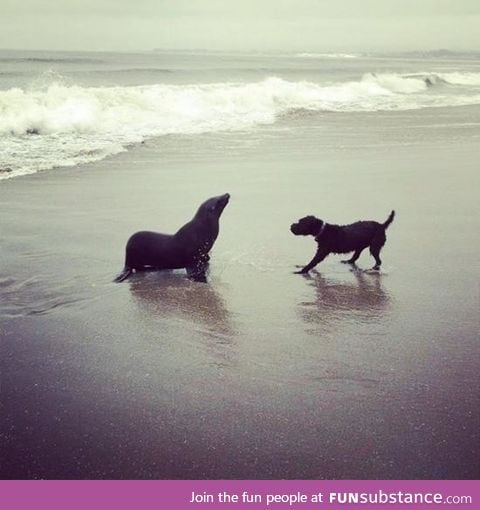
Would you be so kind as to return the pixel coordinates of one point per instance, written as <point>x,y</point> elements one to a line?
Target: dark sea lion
<point>188,248</point>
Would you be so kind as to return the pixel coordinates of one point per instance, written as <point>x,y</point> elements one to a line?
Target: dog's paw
<point>300,272</point>
<point>373,270</point>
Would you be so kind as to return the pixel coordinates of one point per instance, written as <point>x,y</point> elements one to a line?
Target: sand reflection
<point>357,296</point>
<point>173,296</point>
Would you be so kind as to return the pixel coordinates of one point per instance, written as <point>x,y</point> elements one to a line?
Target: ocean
<point>260,373</point>
<point>60,109</point>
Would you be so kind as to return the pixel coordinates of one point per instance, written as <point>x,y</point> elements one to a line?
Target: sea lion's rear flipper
<point>126,272</point>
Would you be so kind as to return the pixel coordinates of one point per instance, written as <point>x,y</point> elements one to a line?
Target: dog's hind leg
<point>375,248</point>
<point>354,257</point>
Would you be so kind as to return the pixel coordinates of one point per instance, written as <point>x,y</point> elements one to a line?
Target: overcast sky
<point>262,25</point>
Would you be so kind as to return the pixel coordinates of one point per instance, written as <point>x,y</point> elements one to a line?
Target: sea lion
<point>188,248</point>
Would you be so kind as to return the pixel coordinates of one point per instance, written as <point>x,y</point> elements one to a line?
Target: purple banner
<point>236,494</point>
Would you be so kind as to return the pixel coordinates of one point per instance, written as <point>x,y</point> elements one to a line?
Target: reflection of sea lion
<point>188,248</point>
<point>197,312</point>
<point>164,295</point>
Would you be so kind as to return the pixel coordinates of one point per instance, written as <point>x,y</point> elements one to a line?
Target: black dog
<point>343,238</point>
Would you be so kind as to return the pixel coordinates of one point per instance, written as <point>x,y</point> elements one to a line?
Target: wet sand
<point>260,373</point>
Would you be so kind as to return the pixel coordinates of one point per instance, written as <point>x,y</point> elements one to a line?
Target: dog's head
<point>307,226</point>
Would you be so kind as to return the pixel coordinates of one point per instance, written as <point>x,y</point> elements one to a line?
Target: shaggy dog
<point>343,238</point>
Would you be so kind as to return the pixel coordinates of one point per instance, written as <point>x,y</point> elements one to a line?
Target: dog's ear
<point>311,225</point>
<point>316,226</point>
<point>314,221</point>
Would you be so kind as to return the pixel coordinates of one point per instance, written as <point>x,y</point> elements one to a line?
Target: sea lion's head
<point>213,207</point>
<point>307,226</point>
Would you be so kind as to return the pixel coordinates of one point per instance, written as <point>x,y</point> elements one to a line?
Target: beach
<point>259,373</point>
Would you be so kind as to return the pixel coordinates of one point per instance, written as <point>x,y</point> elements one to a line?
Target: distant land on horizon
<point>436,53</point>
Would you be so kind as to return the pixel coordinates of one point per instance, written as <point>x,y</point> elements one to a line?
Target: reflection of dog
<point>343,238</point>
<point>361,296</point>
<point>188,248</point>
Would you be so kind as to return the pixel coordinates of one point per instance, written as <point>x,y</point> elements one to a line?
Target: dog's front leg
<point>319,256</point>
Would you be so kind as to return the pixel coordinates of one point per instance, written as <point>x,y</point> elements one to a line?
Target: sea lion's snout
<point>214,206</point>
<point>223,201</point>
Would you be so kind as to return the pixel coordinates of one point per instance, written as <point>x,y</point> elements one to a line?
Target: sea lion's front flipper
<point>198,271</point>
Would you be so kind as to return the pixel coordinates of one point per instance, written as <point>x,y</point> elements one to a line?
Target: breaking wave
<point>68,125</point>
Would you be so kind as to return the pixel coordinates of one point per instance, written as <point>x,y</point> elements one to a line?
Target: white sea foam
<point>453,78</point>
<point>471,79</point>
<point>64,125</point>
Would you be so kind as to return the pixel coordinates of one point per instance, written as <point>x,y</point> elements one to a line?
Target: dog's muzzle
<point>294,229</point>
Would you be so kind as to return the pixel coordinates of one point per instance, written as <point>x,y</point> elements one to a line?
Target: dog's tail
<point>126,272</point>
<point>389,220</point>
